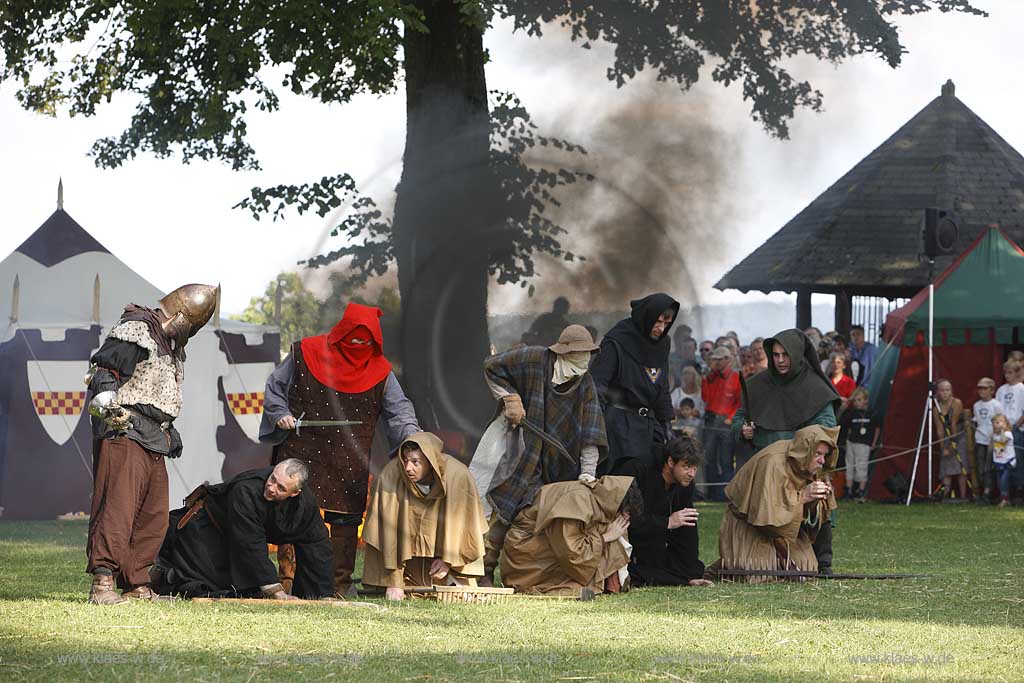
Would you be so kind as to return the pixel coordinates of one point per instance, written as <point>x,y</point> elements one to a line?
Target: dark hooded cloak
<point>633,333</point>
<point>223,549</point>
<point>777,402</point>
<point>631,374</point>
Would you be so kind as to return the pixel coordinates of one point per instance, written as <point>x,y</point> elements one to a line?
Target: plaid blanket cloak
<point>573,417</point>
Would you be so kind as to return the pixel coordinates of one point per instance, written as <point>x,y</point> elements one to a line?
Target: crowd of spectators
<point>976,459</point>
<point>706,394</point>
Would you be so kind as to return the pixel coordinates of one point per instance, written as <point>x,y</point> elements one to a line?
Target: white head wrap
<point>570,366</point>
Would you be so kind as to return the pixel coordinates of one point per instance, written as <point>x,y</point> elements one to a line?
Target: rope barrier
<point>898,454</point>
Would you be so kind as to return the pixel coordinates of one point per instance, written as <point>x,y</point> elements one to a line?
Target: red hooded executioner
<point>339,376</point>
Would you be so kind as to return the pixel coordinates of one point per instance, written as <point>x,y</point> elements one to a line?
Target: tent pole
<point>931,362</point>
<point>917,453</point>
<point>15,298</point>
<point>926,418</point>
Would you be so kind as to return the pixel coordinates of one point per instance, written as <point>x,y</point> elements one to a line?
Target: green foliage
<point>746,42</point>
<point>527,191</point>
<point>305,315</point>
<point>199,67</point>
<point>966,617</point>
<point>300,310</point>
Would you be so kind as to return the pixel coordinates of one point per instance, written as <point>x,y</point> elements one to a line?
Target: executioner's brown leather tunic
<point>338,457</point>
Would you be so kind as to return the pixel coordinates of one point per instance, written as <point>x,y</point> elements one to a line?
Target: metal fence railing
<point>870,311</point>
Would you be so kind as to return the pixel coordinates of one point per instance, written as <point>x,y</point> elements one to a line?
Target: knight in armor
<point>135,382</point>
<point>341,376</point>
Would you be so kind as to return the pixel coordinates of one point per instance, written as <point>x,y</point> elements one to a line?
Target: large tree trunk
<point>447,206</point>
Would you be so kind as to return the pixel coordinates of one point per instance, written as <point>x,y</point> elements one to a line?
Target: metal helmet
<point>188,308</point>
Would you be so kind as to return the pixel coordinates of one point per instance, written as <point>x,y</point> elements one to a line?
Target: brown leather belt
<point>196,501</point>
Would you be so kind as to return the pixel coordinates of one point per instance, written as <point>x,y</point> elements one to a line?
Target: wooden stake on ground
<point>269,601</point>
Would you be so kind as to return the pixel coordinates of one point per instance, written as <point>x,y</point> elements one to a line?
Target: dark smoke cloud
<point>656,216</point>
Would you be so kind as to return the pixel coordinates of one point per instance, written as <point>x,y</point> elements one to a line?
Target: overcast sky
<point>173,223</point>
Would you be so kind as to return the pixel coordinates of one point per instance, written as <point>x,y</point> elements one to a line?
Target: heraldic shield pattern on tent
<point>60,292</point>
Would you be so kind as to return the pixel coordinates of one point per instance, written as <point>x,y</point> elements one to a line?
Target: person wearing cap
<point>721,393</point>
<point>632,378</point>
<point>552,391</point>
<point>982,412</point>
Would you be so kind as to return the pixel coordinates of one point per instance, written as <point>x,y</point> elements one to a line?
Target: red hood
<point>347,367</point>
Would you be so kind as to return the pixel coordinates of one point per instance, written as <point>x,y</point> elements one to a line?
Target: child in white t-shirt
<point>1011,395</point>
<point>1003,456</point>
<point>982,412</point>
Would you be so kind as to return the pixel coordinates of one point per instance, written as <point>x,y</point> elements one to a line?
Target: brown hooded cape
<point>402,523</point>
<point>555,545</point>
<point>765,512</point>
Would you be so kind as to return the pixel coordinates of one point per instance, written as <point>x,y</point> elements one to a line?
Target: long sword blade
<point>300,423</point>
<point>328,423</point>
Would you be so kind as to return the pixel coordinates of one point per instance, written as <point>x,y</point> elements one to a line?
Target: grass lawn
<point>964,623</point>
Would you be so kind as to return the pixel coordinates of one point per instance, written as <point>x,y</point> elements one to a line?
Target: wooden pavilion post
<point>803,309</point>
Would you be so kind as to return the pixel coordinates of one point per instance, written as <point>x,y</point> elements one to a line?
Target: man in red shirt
<point>721,393</point>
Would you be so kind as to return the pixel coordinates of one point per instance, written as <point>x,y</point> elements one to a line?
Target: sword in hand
<point>301,422</point>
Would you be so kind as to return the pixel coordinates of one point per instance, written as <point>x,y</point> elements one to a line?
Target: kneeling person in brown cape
<point>424,525</point>
<point>778,502</point>
<point>217,545</point>
<point>572,540</point>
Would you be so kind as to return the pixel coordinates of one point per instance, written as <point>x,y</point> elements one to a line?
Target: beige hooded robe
<point>762,525</point>
<point>406,529</point>
<point>555,545</point>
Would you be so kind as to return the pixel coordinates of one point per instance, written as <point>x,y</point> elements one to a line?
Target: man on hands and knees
<point>135,380</point>
<point>425,524</point>
<point>572,540</point>
<point>217,544</point>
<point>664,537</point>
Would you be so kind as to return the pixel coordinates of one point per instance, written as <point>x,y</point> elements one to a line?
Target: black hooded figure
<point>222,550</point>
<point>631,374</point>
<point>780,404</point>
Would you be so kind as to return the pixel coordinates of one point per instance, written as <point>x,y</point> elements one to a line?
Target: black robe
<point>661,556</point>
<point>631,374</point>
<point>230,557</point>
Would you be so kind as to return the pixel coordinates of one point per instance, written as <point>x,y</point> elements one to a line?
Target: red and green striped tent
<point>978,320</point>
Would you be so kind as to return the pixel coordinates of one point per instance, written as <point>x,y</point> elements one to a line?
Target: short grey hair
<point>294,467</point>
